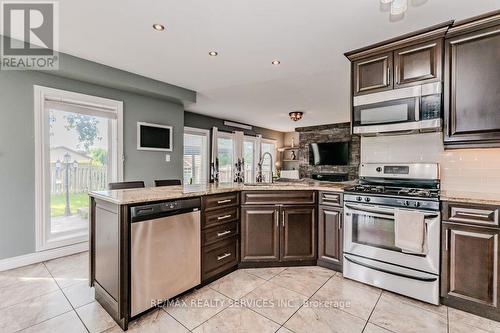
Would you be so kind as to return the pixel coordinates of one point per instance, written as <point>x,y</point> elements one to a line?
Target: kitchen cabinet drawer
<point>218,233</point>
<point>278,197</point>
<point>485,215</point>
<point>219,257</point>
<point>216,217</point>
<point>331,198</point>
<point>212,202</point>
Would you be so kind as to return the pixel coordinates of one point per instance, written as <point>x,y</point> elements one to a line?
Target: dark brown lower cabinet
<point>278,233</point>
<point>260,233</point>
<point>470,269</point>
<point>298,236</point>
<point>330,237</point>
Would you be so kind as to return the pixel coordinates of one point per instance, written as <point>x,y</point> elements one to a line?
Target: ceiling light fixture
<point>398,7</point>
<point>296,115</point>
<point>213,53</point>
<point>276,62</point>
<point>158,27</point>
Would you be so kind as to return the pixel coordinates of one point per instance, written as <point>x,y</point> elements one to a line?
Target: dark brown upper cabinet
<point>472,84</point>
<point>373,74</point>
<point>411,59</point>
<point>298,239</point>
<point>417,63</point>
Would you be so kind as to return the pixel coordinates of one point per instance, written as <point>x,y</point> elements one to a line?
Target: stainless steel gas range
<point>370,253</point>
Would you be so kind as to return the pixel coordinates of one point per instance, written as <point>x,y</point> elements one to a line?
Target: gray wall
<point>206,122</point>
<point>17,153</point>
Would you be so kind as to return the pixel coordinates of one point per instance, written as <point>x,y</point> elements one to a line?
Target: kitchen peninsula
<point>202,232</point>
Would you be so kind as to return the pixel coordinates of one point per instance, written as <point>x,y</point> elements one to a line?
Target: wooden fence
<point>82,179</point>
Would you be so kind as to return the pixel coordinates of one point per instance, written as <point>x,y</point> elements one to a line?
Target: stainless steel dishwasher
<point>165,251</point>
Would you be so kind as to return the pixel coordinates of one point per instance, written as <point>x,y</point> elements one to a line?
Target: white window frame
<point>199,131</point>
<point>42,189</point>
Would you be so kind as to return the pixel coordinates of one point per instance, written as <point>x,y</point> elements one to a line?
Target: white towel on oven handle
<point>410,231</point>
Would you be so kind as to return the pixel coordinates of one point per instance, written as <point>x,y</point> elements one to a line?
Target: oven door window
<point>374,230</point>
<point>391,112</point>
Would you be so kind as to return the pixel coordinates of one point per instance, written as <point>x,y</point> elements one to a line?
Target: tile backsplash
<point>470,170</point>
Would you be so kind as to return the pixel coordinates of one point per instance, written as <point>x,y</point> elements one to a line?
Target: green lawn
<point>58,202</point>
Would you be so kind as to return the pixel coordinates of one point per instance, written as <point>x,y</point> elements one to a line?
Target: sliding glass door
<point>195,155</point>
<point>226,157</point>
<point>251,158</point>
<point>77,148</point>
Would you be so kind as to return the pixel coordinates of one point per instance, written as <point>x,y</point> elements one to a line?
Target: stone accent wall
<point>328,133</point>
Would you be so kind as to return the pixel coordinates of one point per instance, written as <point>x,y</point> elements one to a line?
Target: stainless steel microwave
<point>399,111</point>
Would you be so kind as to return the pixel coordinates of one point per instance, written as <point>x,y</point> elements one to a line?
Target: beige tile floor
<point>54,297</point>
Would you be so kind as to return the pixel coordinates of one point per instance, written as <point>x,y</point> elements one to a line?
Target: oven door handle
<point>425,279</point>
<point>375,211</point>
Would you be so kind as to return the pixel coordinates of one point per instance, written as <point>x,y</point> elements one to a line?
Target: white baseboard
<point>33,258</point>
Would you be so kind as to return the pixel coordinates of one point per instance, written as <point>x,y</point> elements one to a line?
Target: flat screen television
<point>154,137</point>
<point>329,153</point>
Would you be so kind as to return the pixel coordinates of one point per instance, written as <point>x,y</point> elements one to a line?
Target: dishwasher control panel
<point>163,209</point>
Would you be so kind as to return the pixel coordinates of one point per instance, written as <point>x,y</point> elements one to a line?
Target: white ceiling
<point>309,37</point>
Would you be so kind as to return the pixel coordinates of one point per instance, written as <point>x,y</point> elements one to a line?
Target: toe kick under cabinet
<point>278,227</point>
<point>470,258</point>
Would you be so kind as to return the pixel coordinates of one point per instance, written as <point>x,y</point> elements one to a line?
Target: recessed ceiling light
<point>276,62</point>
<point>213,53</point>
<point>158,27</point>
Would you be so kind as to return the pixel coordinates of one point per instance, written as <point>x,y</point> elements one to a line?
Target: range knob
<point>378,169</point>
<point>407,203</point>
<point>359,199</point>
<point>417,204</point>
<point>367,199</point>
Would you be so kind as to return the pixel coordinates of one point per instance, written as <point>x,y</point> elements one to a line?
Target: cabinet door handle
<point>220,234</point>
<point>446,241</point>
<point>277,218</point>
<point>224,217</point>
<point>283,218</point>
<point>388,75</point>
<point>223,201</point>
<point>396,73</point>
<point>225,255</point>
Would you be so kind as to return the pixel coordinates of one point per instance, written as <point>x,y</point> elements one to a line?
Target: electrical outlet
<point>167,158</point>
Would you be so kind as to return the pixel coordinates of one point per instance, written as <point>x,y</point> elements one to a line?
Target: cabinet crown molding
<point>423,35</point>
<point>475,23</point>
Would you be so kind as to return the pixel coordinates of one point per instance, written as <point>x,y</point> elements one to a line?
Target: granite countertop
<point>150,194</point>
<point>471,197</point>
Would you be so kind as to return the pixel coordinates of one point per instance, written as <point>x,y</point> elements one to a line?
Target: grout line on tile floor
<point>168,314</point>
<point>70,304</point>
<point>447,320</point>
<point>300,307</point>
<point>373,310</point>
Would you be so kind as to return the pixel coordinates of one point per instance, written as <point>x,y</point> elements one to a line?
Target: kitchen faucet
<point>260,177</point>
